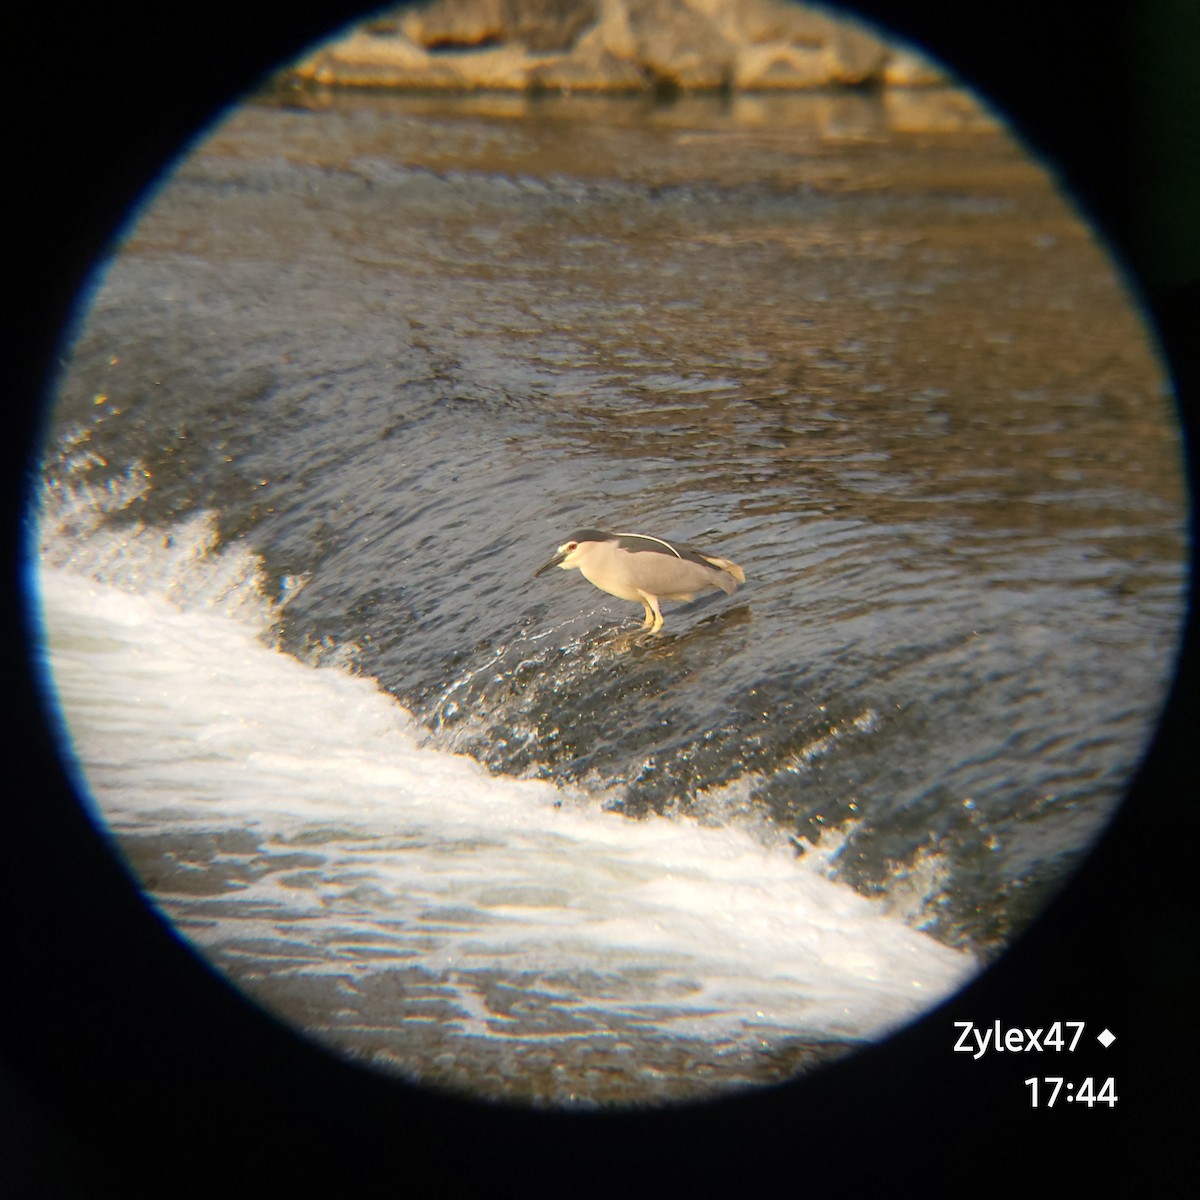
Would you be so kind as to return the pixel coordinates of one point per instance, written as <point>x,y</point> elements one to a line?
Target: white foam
<point>186,720</point>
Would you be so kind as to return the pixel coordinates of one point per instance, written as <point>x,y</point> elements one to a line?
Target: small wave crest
<point>86,527</point>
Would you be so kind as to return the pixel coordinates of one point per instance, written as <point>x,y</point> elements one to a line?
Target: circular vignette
<point>134,1054</point>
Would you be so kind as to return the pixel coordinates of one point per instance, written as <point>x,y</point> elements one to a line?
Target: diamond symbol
<point>1106,1039</point>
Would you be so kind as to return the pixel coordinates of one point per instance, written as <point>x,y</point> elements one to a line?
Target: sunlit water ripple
<point>334,401</point>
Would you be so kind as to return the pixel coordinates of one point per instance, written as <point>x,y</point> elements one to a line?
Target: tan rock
<point>395,62</point>
<point>853,54</point>
<point>548,26</point>
<point>781,65</point>
<point>757,45</point>
<point>449,24</point>
<point>613,32</point>
<point>367,60</point>
<point>606,56</point>
<point>758,22</point>
<point>581,73</point>
<point>907,68</point>
<point>678,46</point>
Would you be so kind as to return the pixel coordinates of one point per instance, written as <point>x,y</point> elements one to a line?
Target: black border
<point>125,1063</point>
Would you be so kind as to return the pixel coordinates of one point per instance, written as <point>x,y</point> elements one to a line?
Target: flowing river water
<point>358,367</point>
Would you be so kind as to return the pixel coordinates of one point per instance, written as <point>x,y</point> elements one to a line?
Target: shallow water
<point>357,370</point>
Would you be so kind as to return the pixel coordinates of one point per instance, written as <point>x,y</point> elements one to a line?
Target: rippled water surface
<point>358,368</point>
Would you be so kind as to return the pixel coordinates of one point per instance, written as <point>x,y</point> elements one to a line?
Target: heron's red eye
<point>572,545</point>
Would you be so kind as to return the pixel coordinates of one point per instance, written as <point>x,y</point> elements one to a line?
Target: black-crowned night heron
<point>635,566</point>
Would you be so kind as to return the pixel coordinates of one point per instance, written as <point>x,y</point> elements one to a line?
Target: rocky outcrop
<point>613,45</point>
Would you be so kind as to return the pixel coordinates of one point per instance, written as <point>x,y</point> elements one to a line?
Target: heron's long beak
<point>552,563</point>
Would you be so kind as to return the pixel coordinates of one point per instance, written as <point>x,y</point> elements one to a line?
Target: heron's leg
<point>654,618</point>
